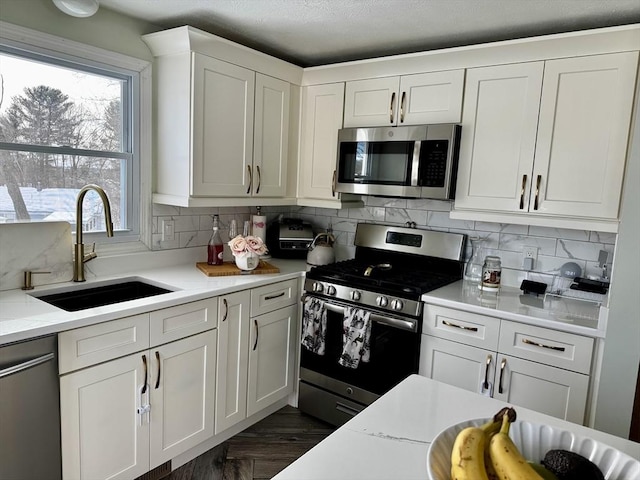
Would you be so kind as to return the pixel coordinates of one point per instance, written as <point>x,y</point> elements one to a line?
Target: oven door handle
<point>409,324</point>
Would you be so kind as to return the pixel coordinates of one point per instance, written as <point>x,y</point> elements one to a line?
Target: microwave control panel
<point>433,163</point>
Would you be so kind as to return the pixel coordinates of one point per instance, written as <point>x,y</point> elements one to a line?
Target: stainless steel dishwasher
<point>30,410</point>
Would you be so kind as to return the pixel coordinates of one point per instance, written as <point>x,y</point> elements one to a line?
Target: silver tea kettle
<point>321,250</point>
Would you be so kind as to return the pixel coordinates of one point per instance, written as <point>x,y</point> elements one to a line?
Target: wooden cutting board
<point>230,268</point>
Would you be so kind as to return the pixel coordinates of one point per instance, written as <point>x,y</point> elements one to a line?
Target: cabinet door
<point>223,105</point>
<point>321,120</point>
<point>233,346</point>
<point>271,137</point>
<point>431,98</point>
<point>182,395</point>
<point>542,388</point>
<point>102,434</point>
<point>371,103</point>
<point>499,123</point>
<point>457,364</point>
<point>582,135</point>
<point>271,358</point>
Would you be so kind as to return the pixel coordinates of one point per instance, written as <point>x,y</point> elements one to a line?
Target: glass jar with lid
<point>491,273</point>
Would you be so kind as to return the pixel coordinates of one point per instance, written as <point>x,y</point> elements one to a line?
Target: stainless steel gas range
<point>392,268</point>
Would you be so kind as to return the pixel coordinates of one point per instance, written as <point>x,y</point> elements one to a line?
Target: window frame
<point>33,44</point>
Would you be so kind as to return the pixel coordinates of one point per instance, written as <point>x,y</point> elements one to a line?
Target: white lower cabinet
<point>256,351</point>
<point>129,414</point>
<point>537,368</point>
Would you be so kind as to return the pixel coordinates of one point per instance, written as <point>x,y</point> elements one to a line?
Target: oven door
<point>395,350</point>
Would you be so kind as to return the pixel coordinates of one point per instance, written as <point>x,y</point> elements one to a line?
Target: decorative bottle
<point>215,249</point>
<point>473,270</point>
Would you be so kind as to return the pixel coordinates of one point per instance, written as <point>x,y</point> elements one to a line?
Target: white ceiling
<point>316,32</point>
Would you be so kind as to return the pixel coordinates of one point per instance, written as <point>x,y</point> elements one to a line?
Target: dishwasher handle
<point>5,372</point>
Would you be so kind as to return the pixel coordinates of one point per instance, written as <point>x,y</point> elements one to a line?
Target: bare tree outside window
<point>60,129</point>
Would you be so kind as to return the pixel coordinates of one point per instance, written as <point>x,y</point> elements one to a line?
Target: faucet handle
<point>27,279</point>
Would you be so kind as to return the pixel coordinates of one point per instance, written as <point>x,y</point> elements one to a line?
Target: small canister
<point>491,272</point>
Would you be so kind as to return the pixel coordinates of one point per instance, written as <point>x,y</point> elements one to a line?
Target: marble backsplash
<point>555,246</point>
<point>39,247</point>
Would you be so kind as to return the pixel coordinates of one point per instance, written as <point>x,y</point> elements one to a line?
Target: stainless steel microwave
<point>410,161</point>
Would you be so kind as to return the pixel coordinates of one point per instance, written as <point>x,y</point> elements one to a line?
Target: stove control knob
<point>317,287</point>
<point>382,301</point>
<point>355,295</point>
<point>331,290</point>
<point>396,304</point>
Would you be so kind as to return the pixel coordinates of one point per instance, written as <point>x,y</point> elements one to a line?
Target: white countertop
<point>391,437</point>
<point>22,316</point>
<point>566,314</point>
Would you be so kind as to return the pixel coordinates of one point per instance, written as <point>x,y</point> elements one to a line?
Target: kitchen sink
<point>90,297</point>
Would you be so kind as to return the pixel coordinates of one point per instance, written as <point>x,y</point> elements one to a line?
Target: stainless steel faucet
<point>80,257</point>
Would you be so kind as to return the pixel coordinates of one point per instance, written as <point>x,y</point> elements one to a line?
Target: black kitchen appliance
<point>289,238</point>
<point>392,268</point>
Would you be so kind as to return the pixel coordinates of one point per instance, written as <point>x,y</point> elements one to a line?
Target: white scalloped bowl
<point>534,441</point>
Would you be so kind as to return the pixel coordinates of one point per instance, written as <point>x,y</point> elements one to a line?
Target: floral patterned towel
<point>314,325</point>
<point>356,337</point>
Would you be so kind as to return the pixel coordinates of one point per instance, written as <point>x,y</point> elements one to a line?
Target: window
<point>67,121</point>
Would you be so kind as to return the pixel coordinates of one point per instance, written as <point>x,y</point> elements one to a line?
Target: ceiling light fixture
<point>78,8</point>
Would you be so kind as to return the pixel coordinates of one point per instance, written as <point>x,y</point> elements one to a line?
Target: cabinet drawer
<point>464,327</point>
<point>272,297</point>
<point>94,344</point>
<point>181,321</point>
<point>559,349</point>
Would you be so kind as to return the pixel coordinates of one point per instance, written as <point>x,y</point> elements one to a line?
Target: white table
<point>391,437</point>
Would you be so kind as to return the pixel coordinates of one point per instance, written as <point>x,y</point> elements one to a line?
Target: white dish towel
<point>314,325</point>
<point>356,337</point>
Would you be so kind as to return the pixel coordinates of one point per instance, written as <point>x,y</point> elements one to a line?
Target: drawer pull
<point>271,297</point>
<point>485,384</point>
<point>503,364</point>
<point>542,345</point>
<point>462,327</point>
<point>158,379</point>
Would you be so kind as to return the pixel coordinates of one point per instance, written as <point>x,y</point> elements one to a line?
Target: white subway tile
<point>580,235</point>
<point>371,201</point>
<point>428,204</point>
<point>581,250</point>
<point>603,237</point>
<point>514,243</point>
<point>502,228</point>
<point>441,219</point>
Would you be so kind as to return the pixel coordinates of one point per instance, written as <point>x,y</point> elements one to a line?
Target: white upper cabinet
<point>498,140</point>
<point>582,135</point>
<point>222,115</point>
<point>322,107</point>
<point>424,98</point>
<point>547,139</point>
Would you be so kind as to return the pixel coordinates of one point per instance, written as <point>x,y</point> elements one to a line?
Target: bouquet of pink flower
<point>243,246</point>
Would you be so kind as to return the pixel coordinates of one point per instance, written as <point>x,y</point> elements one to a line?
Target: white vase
<point>247,262</point>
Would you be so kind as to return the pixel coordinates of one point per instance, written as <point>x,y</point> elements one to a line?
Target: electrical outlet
<point>529,257</point>
<point>168,231</point>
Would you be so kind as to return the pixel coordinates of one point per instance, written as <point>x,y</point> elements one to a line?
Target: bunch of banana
<point>470,446</point>
<point>507,461</point>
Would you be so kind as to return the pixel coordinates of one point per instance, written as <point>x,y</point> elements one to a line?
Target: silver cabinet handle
<point>503,364</point>
<point>485,384</point>
<point>524,184</point>
<point>226,309</point>
<point>333,184</point>
<point>393,98</point>
<point>542,345</point>
<point>159,366</point>
<point>271,297</point>
<point>259,178</point>
<point>5,372</point>
<point>535,202</point>
<point>462,327</point>
<point>250,179</point>
<point>402,100</point>
<point>144,363</point>
<point>255,345</point>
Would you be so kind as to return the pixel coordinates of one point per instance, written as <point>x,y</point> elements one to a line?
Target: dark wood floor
<point>259,452</point>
